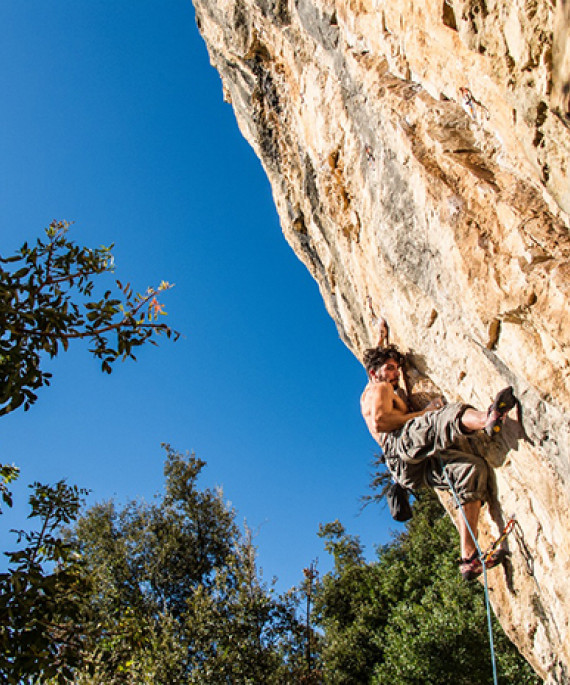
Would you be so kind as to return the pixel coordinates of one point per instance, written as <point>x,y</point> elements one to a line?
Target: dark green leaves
<point>41,628</point>
<point>409,618</point>
<point>8,473</point>
<point>44,304</point>
<point>179,597</point>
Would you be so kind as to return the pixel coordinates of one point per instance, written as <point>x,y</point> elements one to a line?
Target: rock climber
<point>467,103</point>
<point>473,108</point>
<point>418,444</point>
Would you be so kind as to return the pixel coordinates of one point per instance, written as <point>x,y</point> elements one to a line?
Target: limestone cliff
<point>418,152</point>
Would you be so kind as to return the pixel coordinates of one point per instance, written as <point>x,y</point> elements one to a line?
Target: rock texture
<point>418,152</point>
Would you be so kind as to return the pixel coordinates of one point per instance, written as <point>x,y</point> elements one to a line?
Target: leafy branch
<point>41,622</point>
<point>46,301</point>
<point>8,473</point>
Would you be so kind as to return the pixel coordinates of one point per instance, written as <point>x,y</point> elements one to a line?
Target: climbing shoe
<point>504,402</point>
<point>472,567</point>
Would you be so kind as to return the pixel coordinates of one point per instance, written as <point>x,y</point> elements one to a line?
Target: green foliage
<point>349,610</point>
<point>40,594</point>
<point>178,595</point>
<point>170,592</point>
<point>346,549</point>
<point>409,618</point>
<point>155,555</point>
<point>167,592</point>
<point>239,631</point>
<point>8,473</point>
<point>45,302</point>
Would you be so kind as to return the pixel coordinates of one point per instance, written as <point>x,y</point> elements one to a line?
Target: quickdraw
<point>506,530</point>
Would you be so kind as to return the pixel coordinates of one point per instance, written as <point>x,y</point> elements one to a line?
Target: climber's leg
<point>474,420</point>
<point>491,420</point>
<point>471,511</point>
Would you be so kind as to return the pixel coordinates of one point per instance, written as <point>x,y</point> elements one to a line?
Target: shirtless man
<point>416,444</point>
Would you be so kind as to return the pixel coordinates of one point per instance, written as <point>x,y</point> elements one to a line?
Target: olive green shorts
<point>416,453</point>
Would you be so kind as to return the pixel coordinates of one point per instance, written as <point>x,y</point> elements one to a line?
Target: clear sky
<point>113,118</point>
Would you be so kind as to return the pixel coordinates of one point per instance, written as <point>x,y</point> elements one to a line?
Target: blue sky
<point>113,118</point>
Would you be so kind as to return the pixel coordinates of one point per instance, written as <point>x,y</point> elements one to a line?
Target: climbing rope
<point>483,558</point>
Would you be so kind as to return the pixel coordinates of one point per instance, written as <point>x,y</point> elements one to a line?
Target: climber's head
<point>383,364</point>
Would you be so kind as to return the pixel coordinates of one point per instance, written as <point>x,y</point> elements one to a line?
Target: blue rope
<point>483,564</point>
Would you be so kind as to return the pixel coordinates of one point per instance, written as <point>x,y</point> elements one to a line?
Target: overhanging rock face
<point>418,152</point>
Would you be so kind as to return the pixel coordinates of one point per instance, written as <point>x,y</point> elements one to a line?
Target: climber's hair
<point>375,357</point>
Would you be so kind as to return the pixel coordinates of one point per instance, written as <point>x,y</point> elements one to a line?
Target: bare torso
<point>382,409</point>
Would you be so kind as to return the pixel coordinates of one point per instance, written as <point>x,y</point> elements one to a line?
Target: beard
<point>395,382</point>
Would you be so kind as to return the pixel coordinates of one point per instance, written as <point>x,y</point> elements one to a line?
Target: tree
<point>167,592</point>
<point>45,303</point>
<point>349,610</point>
<point>40,594</point>
<point>409,618</point>
<point>240,631</point>
<point>178,594</point>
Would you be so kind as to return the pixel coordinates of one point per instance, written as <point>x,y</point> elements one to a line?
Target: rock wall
<point>418,152</point>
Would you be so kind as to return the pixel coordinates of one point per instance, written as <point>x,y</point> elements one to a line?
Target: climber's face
<point>389,372</point>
